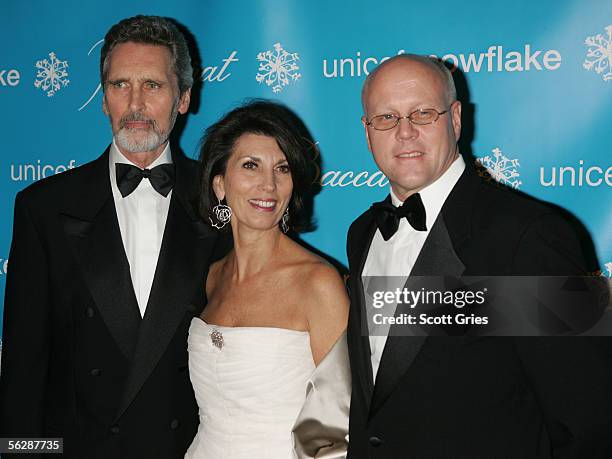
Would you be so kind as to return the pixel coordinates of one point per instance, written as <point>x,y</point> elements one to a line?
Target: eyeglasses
<point>420,117</point>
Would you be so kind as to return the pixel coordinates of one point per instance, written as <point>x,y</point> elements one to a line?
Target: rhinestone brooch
<point>216,338</point>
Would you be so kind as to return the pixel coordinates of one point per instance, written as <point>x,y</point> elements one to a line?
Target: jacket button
<point>174,424</point>
<point>96,372</point>
<point>114,429</point>
<point>89,312</point>
<point>375,441</point>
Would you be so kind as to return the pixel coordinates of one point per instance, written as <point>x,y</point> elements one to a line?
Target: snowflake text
<point>599,54</point>
<point>499,168</point>
<point>52,75</point>
<point>277,68</point>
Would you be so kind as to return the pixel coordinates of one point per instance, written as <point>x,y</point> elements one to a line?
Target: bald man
<point>460,397</point>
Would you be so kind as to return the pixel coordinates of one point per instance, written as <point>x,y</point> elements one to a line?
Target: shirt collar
<point>434,194</point>
<point>117,157</point>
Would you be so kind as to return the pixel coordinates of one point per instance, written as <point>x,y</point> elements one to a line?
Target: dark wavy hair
<point>267,118</point>
<point>150,30</point>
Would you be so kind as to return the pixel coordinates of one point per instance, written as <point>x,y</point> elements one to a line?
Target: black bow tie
<point>161,178</point>
<point>388,216</point>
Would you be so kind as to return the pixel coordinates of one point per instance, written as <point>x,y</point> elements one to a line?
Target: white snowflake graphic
<point>51,76</point>
<point>609,268</point>
<point>599,54</point>
<point>499,168</point>
<point>277,68</point>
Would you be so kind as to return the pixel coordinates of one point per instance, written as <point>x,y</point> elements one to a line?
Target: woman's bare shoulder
<point>325,303</point>
<point>214,273</point>
<point>317,282</point>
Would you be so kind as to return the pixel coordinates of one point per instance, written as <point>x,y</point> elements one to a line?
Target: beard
<point>143,140</point>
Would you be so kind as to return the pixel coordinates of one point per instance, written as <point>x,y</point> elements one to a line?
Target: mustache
<point>135,116</point>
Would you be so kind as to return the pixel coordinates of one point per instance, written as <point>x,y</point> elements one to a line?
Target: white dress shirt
<point>142,218</point>
<point>396,257</point>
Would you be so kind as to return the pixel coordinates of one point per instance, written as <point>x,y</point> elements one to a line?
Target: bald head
<point>410,153</point>
<point>423,64</point>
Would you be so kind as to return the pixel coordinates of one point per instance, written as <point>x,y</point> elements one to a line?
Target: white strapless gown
<point>250,384</point>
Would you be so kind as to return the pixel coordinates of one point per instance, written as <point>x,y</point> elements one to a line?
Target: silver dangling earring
<point>222,213</point>
<point>284,223</point>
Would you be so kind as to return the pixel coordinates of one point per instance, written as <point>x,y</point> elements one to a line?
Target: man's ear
<point>184,101</point>
<point>367,133</point>
<point>219,187</point>
<point>104,106</point>
<point>455,113</point>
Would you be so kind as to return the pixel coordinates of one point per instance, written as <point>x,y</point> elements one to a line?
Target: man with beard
<point>107,261</point>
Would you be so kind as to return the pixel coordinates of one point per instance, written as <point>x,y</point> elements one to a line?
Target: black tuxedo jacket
<point>479,397</point>
<point>78,361</point>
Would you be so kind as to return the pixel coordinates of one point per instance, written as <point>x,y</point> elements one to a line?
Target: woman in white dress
<point>274,310</point>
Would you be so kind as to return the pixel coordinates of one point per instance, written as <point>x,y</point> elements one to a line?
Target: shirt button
<point>96,372</point>
<point>89,312</point>
<point>375,441</point>
<point>174,424</point>
<point>114,429</point>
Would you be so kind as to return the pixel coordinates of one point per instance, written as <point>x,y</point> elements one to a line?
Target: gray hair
<point>150,30</point>
<point>433,63</point>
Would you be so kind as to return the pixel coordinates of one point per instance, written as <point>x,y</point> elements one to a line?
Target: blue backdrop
<point>538,76</point>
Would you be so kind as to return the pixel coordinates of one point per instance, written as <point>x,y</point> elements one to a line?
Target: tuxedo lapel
<point>361,241</point>
<point>438,257</point>
<point>92,231</point>
<point>178,275</point>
